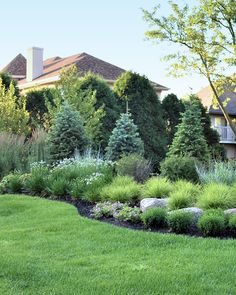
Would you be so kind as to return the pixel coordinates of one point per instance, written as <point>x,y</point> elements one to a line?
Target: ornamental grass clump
<point>180,221</point>
<point>122,189</point>
<point>184,195</point>
<point>217,172</point>
<point>217,196</point>
<point>157,187</point>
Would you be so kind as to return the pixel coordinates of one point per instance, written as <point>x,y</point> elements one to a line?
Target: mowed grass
<point>47,248</point>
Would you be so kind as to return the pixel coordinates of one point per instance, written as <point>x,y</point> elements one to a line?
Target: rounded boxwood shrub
<point>232,223</point>
<point>175,168</point>
<point>157,187</point>
<point>179,221</point>
<point>134,165</point>
<point>212,223</point>
<point>217,196</point>
<point>154,217</point>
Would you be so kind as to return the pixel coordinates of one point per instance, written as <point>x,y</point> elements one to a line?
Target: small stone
<point>230,211</point>
<point>153,203</point>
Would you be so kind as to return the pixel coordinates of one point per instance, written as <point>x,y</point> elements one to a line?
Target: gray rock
<point>152,203</point>
<point>230,211</point>
<point>197,212</point>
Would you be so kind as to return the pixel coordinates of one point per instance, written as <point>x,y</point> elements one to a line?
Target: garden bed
<point>84,209</point>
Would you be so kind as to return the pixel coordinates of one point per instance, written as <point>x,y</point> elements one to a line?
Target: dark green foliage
<point>146,109</point>
<point>36,105</point>
<point>154,217</point>
<point>172,109</point>
<point>67,134</point>
<point>7,80</point>
<point>13,183</point>
<point>232,223</point>
<point>58,187</point>
<point>176,168</point>
<point>211,135</point>
<point>106,98</point>
<point>134,165</point>
<point>180,221</point>
<point>212,223</point>
<point>124,139</point>
<point>189,139</point>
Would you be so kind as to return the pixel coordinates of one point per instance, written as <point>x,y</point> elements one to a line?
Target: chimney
<point>34,63</point>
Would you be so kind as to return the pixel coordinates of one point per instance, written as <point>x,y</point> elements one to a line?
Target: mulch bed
<point>84,209</point>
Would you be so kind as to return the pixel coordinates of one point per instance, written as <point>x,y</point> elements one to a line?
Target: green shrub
<point>217,196</point>
<point>122,189</point>
<point>175,168</point>
<point>157,187</point>
<point>59,187</point>
<point>12,183</point>
<point>212,223</point>
<point>37,181</point>
<point>184,195</point>
<point>154,217</point>
<point>232,223</point>
<point>128,214</point>
<point>180,222</point>
<point>135,166</point>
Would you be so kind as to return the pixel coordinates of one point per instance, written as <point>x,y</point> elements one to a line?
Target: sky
<point>109,30</point>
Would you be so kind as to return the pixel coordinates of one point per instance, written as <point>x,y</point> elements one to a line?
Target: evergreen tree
<point>7,81</point>
<point>172,108</point>
<point>124,139</point>
<point>189,139</point>
<point>145,107</point>
<point>67,134</point>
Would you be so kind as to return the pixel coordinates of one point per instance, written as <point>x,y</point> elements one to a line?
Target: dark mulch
<point>84,209</point>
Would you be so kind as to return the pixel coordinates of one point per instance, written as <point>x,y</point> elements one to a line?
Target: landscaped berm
<point>47,248</point>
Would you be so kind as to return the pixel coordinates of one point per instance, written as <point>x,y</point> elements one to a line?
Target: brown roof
<point>84,63</point>
<point>17,67</point>
<point>228,99</point>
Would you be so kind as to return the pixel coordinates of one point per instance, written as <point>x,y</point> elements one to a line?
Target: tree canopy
<point>205,35</point>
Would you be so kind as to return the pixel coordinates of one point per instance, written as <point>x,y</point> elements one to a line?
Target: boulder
<point>197,212</point>
<point>152,203</point>
<point>230,211</point>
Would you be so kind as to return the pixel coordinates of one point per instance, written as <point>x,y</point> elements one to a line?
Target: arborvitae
<point>172,108</point>
<point>124,139</point>
<point>189,139</point>
<point>67,134</point>
<point>146,110</point>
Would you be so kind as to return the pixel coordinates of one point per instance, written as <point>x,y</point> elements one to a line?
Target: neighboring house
<point>38,73</point>
<point>227,137</point>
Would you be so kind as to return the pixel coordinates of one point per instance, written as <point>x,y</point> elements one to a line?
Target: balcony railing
<point>226,134</point>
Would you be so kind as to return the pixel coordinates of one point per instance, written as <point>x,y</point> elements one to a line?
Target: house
<point>227,137</point>
<point>35,72</point>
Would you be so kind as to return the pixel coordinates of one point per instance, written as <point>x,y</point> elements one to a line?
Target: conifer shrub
<point>189,139</point>
<point>67,134</point>
<point>124,139</point>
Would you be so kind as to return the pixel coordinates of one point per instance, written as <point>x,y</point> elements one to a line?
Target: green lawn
<point>47,248</point>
